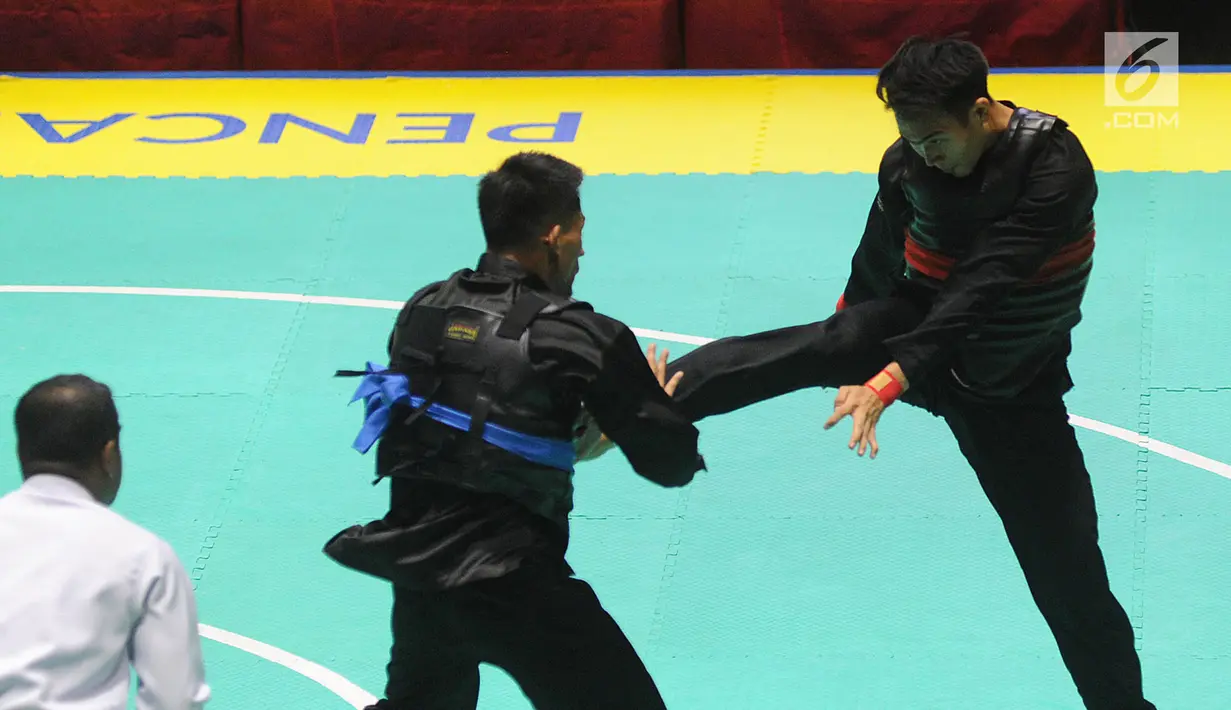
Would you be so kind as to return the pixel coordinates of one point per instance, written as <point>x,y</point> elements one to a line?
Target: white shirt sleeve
<point>165,649</point>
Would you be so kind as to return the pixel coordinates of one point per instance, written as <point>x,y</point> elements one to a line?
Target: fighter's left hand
<point>598,448</point>
<point>864,408</point>
<point>588,440</point>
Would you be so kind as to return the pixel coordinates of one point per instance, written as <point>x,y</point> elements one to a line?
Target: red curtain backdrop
<point>119,35</point>
<point>821,34</point>
<point>535,35</point>
<point>446,35</point>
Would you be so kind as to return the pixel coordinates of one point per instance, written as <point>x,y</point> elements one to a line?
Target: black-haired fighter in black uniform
<point>962,295</point>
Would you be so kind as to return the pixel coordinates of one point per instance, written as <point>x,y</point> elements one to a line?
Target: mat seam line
<point>684,497</point>
<point>1142,489</point>
<point>255,426</point>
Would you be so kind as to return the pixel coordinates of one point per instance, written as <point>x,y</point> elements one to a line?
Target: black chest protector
<point>465,347</point>
<point>498,425</point>
<point>948,212</point>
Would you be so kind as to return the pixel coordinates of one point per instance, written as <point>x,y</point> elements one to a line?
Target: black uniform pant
<point>1024,452</point>
<point>547,630</point>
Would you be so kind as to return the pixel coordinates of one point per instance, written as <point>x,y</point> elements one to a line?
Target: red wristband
<point>841,302</point>
<point>886,387</point>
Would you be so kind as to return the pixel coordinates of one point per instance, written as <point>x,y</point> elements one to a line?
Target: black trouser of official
<point>1024,452</point>
<point>545,629</point>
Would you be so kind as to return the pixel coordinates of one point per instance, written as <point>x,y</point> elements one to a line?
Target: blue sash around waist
<point>381,389</point>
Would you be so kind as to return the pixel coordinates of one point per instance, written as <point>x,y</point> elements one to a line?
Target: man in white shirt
<point>84,593</point>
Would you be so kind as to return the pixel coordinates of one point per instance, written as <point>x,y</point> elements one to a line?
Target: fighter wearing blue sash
<point>498,383</point>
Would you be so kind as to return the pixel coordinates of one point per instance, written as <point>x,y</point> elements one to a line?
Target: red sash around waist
<point>938,266</point>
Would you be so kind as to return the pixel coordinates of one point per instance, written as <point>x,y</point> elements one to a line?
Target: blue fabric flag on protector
<point>380,389</point>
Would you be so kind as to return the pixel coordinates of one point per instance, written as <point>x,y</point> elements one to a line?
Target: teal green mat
<point>791,576</point>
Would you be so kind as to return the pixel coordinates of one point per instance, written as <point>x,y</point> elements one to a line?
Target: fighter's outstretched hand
<point>659,366</point>
<point>865,403</point>
<point>864,407</point>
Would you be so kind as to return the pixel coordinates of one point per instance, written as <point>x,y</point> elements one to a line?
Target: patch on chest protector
<point>462,332</point>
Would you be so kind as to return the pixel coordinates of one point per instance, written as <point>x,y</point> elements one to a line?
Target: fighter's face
<point>567,249</point>
<point>944,143</point>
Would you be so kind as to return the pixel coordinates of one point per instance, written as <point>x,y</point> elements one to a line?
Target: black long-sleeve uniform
<point>973,285</point>
<point>1002,259</point>
<point>479,578</point>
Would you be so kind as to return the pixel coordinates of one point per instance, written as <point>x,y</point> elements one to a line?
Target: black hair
<point>529,194</point>
<point>927,78</point>
<point>67,420</point>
